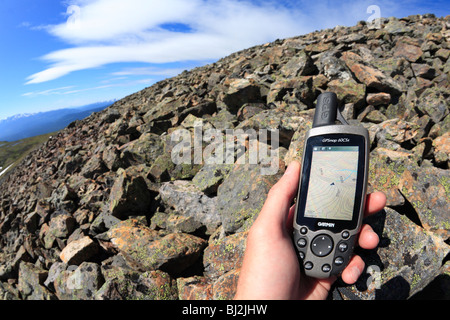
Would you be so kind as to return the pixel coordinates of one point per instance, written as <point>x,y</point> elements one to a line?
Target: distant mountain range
<point>24,126</point>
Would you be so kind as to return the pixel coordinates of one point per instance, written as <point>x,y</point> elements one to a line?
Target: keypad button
<point>326,268</point>
<point>343,246</point>
<point>301,254</point>
<point>322,245</point>
<point>302,242</point>
<point>303,230</point>
<point>345,234</point>
<point>308,265</point>
<point>339,261</point>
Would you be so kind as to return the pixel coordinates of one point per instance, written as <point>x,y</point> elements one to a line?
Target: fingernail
<point>356,272</point>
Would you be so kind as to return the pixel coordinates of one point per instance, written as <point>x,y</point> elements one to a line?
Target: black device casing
<point>342,233</point>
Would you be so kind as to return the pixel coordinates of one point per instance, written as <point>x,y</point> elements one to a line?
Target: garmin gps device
<point>332,191</point>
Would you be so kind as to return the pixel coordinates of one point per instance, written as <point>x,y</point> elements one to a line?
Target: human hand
<point>271,269</point>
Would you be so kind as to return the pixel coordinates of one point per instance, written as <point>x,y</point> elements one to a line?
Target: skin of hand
<point>271,269</point>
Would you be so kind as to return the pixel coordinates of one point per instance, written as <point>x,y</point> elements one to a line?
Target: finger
<point>290,219</point>
<point>354,269</point>
<point>280,196</point>
<point>368,239</point>
<point>374,202</point>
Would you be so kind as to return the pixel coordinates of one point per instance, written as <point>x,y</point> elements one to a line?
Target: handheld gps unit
<point>332,191</point>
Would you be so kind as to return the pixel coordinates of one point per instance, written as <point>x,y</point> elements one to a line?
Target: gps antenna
<point>327,111</point>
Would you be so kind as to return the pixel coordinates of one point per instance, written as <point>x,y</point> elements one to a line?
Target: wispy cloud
<point>102,32</point>
<point>106,84</point>
<point>48,92</point>
<point>148,71</point>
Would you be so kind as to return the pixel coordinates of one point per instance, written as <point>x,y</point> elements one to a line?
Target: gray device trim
<point>336,237</point>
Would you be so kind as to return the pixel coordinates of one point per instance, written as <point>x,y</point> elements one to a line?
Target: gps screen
<point>332,183</point>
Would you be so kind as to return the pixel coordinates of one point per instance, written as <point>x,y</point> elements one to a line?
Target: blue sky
<point>61,53</point>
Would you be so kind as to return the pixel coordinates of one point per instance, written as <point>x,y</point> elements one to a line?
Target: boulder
<point>79,284</point>
<point>129,195</point>
<point>187,200</point>
<point>78,251</point>
<point>145,250</point>
<point>122,284</point>
<point>241,196</point>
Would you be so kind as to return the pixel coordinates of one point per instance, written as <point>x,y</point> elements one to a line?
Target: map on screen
<point>332,183</point>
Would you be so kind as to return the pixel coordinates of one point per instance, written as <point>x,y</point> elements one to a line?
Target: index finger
<point>374,202</point>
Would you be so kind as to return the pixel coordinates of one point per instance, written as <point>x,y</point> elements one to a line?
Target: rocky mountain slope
<point>101,211</point>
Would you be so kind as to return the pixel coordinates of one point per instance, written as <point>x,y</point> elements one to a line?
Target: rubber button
<point>326,268</point>
<point>302,242</point>
<point>343,247</point>
<point>308,265</point>
<point>322,245</point>
<point>338,261</point>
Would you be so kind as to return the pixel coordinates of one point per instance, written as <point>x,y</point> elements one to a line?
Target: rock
<point>241,196</point>
<point>210,177</point>
<point>348,91</point>
<point>80,284</point>
<point>410,52</point>
<point>377,99</point>
<point>146,251</point>
<point>187,200</point>
<point>299,89</point>
<point>111,115</point>
<point>143,150</point>
<point>375,116</point>
<point>224,255</point>
<point>94,167</point>
<point>409,258</point>
<point>79,251</point>
<point>434,102</point>
<point>131,285</point>
<point>248,110</point>
<point>299,65</point>
<point>31,280</point>
<point>53,273</point>
<point>61,226</point>
<point>423,70</point>
<point>443,54</point>
<point>442,149</point>
<point>396,27</point>
<point>424,192</point>
<point>129,195</point>
<point>175,223</point>
<point>333,68</point>
<point>194,288</point>
<point>241,91</point>
<point>64,198</point>
<point>225,287</point>
<point>370,76</point>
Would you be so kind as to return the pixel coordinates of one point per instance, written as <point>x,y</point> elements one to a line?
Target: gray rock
<point>408,257</point>
<point>31,280</point>
<point>241,196</point>
<point>80,284</point>
<point>187,200</point>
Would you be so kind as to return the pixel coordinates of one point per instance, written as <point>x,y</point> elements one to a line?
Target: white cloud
<point>148,71</point>
<point>48,92</point>
<point>102,32</point>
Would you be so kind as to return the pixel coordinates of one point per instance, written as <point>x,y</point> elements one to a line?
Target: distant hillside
<point>12,152</point>
<point>25,126</point>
